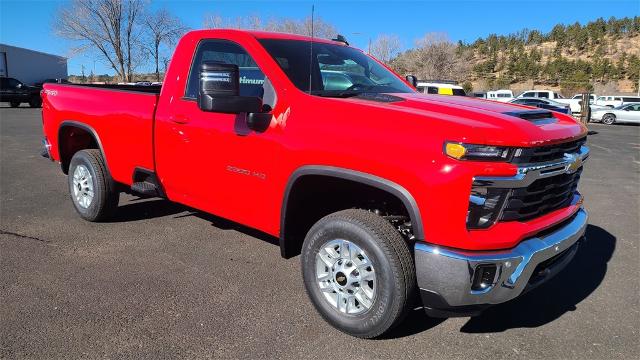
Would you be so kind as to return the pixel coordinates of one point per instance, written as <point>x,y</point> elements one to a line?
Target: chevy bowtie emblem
<point>574,163</point>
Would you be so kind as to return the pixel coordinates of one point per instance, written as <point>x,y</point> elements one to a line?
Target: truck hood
<point>492,122</point>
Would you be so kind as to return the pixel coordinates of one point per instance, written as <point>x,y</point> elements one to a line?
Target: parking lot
<point>162,280</point>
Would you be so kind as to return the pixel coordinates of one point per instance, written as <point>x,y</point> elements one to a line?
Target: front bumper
<point>46,149</point>
<point>446,276</point>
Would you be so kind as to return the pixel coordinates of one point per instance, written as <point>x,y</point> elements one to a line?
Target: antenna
<point>311,50</point>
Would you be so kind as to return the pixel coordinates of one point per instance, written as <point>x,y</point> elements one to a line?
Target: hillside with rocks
<point>601,56</point>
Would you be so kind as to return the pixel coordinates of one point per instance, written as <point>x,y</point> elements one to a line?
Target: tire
<point>372,240</point>
<point>608,119</point>
<point>35,103</point>
<point>88,175</point>
<point>14,104</point>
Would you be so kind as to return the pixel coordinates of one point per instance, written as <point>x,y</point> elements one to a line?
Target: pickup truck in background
<point>386,194</point>
<point>575,102</point>
<point>15,93</point>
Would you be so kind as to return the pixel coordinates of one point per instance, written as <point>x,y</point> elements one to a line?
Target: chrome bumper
<point>46,149</point>
<point>447,274</point>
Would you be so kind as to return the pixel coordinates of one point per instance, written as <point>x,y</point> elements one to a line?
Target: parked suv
<point>15,92</point>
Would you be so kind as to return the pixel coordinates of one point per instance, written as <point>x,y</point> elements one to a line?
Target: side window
<point>634,108</point>
<point>12,83</point>
<point>432,90</point>
<point>543,95</point>
<point>529,94</point>
<point>251,77</point>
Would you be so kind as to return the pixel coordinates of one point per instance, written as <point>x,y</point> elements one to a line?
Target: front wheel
<point>91,189</point>
<point>358,272</point>
<point>608,119</point>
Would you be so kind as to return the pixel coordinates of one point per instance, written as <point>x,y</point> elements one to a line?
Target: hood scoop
<point>538,117</point>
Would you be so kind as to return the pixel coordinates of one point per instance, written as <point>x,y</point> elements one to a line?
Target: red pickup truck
<point>388,195</point>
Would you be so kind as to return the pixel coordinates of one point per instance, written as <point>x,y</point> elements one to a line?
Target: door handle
<point>179,119</point>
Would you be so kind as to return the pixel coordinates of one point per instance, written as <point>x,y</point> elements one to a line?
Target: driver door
<point>212,161</point>
<point>632,113</point>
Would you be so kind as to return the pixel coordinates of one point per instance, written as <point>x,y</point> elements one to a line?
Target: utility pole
<point>638,83</point>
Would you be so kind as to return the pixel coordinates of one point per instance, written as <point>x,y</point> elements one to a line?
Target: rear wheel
<point>90,186</point>
<point>14,104</point>
<point>358,272</point>
<point>608,119</point>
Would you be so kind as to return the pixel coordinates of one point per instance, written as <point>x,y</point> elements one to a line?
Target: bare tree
<point>435,57</point>
<point>162,29</point>
<point>109,27</point>
<point>385,47</point>
<point>321,29</point>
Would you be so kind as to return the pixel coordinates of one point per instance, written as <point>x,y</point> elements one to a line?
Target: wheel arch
<point>91,140</point>
<point>289,246</point>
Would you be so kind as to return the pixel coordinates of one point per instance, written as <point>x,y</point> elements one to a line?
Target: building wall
<point>31,66</point>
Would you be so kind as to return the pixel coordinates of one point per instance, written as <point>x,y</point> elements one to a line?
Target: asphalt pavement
<point>164,281</point>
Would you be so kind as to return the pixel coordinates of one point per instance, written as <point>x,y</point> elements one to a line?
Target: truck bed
<point>153,89</point>
<point>119,116</point>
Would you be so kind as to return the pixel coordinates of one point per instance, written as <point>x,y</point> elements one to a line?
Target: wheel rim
<point>346,277</point>
<point>608,119</point>
<point>82,186</point>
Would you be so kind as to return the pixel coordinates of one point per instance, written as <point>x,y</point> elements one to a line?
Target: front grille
<point>541,197</point>
<point>548,153</point>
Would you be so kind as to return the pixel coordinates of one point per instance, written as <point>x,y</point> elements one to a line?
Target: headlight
<point>463,151</point>
<point>484,206</point>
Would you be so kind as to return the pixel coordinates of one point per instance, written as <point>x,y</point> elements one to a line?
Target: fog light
<point>484,277</point>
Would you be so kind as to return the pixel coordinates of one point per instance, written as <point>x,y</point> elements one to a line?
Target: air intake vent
<point>535,116</point>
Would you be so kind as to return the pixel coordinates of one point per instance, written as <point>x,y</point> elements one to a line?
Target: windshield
<point>336,70</point>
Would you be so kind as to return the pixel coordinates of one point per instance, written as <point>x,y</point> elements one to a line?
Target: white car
<point>621,114</point>
<point>616,100</point>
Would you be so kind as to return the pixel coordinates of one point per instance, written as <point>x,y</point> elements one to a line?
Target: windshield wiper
<point>350,91</point>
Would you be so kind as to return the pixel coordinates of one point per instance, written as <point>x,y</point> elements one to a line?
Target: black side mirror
<point>220,90</point>
<point>411,79</point>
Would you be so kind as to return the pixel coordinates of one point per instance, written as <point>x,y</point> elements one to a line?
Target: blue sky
<point>28,23</point>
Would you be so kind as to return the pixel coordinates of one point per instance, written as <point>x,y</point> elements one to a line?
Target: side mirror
<point>220,90</point>
<point>411,79</point>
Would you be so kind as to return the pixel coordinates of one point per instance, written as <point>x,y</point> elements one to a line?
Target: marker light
<point>462,151</point>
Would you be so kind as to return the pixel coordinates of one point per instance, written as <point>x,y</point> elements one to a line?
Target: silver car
<point>622,114</point>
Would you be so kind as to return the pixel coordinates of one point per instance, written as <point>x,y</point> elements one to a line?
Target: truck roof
<point>263,35</point>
